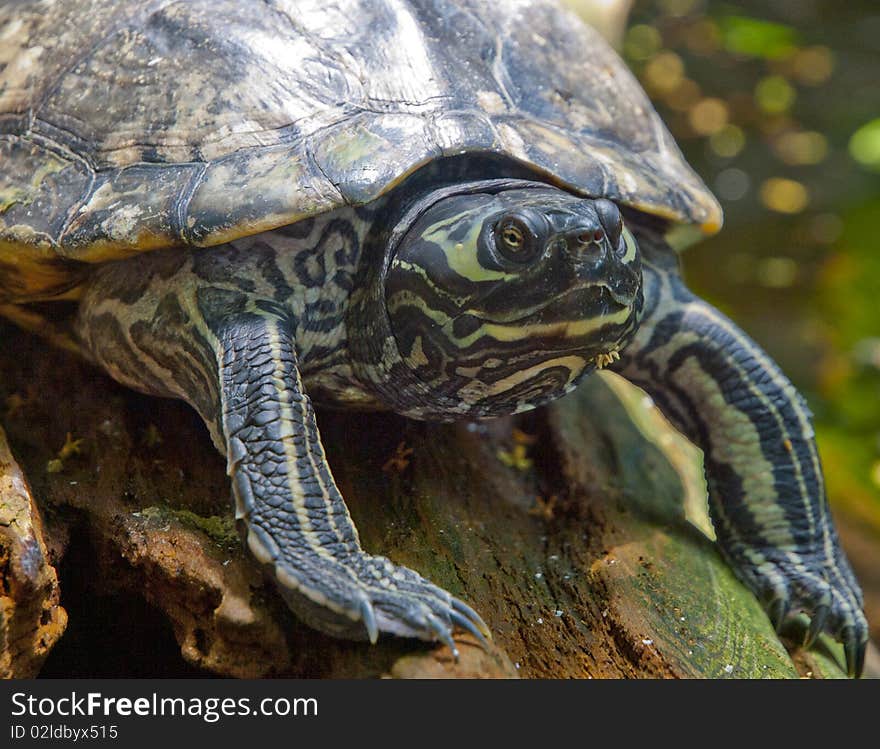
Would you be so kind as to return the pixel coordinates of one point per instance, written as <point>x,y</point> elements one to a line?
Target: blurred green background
<point>776,104</point>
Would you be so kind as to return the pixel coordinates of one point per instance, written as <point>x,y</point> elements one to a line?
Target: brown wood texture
<point>31,619</point>
<point>567,529</point>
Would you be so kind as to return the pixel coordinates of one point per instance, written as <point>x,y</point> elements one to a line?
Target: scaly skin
<point>432,322</point>
<point>766,491</point>
<point>295,520</point>
<point>207,326</point>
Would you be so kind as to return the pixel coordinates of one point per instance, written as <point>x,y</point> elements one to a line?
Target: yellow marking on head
<point>461,255</point>
<point>417,353</point>
<point>407,298</point>
<point>631,246</point>
<point>477,390</point>
<point>565,329</point>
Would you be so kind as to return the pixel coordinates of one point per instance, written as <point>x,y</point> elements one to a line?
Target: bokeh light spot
<point>732,184</point>
<point>728,141</point>
<point>708,116</point>
<point>867,352</point>
<point>801,148</point>
<point>703,37</point>
<point>664,72</point>
<point>784,195</point>
<point>875,473</point>
<point>754,37</point>
<point>774,94</point>
<point>825,228</point>
<point>813,66</point>
<point>642,42</point>
<point>777,272</point>
<point>864,145</point>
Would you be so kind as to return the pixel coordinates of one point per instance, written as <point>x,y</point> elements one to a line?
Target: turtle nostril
<point>590,236</point>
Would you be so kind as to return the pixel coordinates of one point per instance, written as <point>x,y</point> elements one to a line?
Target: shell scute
<point>131,125</point>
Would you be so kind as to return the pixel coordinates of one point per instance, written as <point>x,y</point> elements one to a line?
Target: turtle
<point>450,209</point>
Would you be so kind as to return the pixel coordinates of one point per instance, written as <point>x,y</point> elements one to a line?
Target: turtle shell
<point>134,125</point>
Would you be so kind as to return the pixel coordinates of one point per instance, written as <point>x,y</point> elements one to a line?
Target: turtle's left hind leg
<point>58,334</point>
<point>237,365</point>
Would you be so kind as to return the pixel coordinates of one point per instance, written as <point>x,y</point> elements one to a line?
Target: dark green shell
<point>131,125</point>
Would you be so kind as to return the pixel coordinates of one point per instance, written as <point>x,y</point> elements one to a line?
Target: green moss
<point>671,577</point>
<point>219,529</point>
<point>701,615</point>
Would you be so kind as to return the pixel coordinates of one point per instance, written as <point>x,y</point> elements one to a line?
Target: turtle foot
<point>788,584</point>
<point>363,596</point>
<point>395,600</point>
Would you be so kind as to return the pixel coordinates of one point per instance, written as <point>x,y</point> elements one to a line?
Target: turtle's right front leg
<point>239,370</point>
<point>296,522</point>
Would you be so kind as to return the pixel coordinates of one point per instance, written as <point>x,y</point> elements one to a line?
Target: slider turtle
<point>452,209</point>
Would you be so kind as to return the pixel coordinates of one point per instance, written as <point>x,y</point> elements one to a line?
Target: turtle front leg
<point>766,490</point>
<point>295,520</point>
<point>237,366</point>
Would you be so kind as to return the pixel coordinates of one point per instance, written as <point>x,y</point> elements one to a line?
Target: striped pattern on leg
<point>295,520</point>
<point>766,489</point>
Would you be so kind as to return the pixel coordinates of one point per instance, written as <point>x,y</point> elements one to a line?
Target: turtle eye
<point>519,238</point>
<point>512,237</point>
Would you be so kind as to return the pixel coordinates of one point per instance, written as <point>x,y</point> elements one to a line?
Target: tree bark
<point>574,531</point>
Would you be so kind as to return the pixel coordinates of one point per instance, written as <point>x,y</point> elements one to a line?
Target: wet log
<point>31,617</point>
<point>578,532</point>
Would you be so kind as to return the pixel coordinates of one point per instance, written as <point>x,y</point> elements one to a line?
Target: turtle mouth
<point>591,319</point>
<point>594,298</point>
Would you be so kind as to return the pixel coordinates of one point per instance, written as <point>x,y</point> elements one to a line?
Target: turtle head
<point>501,299</point>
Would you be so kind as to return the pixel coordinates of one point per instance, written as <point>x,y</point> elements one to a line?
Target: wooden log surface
<point>31,617</point>
<point>574,531</point>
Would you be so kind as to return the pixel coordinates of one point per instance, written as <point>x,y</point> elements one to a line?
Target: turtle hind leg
<point>766,489</point>
<point>56,333</point>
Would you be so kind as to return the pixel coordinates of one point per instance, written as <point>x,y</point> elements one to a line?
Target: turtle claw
<point>777,611</point>
<point>472,619</point>
<point>468,625</point>
<point>861,650</point>
<point>444,635</point>
<point>369,619</point>
<point>398,601</point>
<point>817,624</point>
<point>854,651</point>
